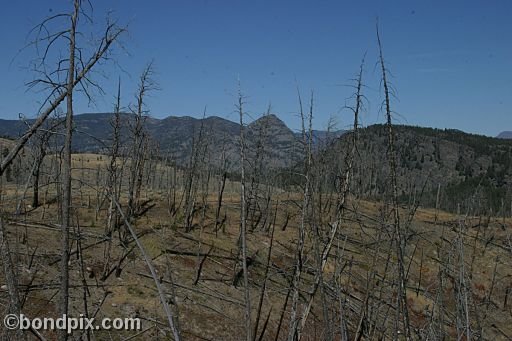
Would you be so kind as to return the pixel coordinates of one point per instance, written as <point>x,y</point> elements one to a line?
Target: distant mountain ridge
<point>467,167</point>
<point>174,136</point>
<point>505,135</point>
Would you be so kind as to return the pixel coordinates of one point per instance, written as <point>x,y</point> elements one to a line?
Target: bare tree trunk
<point>222,186</point>
<point>10,278</point>
<point>197,155</point>
<point>402,314</point>
<point>343,194</point>
<point>146,84</point>
<point>36,173</point>
<point>265,278</point>
<point>112,184</point>
<point>41,144</point>
<point>171,319</point>
<point>66,176</point>
<point>293,332</point>
<point>243,220</point>
<point>111,34</point>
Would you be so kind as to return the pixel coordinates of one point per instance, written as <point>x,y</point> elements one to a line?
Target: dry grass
<point>213,308</point>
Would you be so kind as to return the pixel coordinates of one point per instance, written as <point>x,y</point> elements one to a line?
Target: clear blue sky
<point>451,60</point>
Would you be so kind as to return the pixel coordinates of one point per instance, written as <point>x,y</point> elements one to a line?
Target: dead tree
<point>254,210</point>
<point>197,155</point>
<point>171,318</point>
<point>66,173</point>
<point>172,183</point>
<point>139,140</point>
<point>222,186</point>
<point>10,277</point>
<point>59,91</point>
<point>306,202</point>
<point>113,192</point>
<point>265,279</point>
<point>243,218</point>
<point>75,69</point>
<point>402,315</point>
<point>343,191</point>
<point>41,144</point>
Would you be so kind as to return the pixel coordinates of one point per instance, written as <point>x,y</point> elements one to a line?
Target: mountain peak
<point>270,120</point>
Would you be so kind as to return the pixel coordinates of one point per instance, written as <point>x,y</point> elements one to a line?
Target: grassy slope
<point>212,309</point>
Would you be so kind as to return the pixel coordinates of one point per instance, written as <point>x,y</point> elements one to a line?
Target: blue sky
<point>451,61</point>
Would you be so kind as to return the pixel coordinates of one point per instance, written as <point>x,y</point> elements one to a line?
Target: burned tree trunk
<point>402,315</point>
<point>10,278</point>
<point>66,176</point>
<point>112,182</point>
<point>294,332</point>
<point>243,220</point>
<point>139,142</point>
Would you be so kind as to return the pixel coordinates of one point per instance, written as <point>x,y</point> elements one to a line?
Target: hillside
<point>4,142</point>
<point>195,251</point>
<point>199,268</point>
<point>467,169</point>
<point>470,170</point>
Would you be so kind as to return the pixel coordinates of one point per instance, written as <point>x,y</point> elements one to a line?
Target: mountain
<point>470,170</point>
<point>174,136</point>
<point>466,168</point>
<point>505,135</point>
